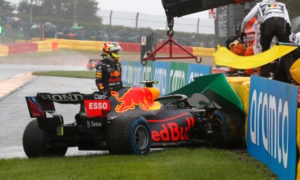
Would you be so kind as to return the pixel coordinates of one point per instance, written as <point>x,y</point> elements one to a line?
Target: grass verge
<point>75,74</point>
<point>180,163</point>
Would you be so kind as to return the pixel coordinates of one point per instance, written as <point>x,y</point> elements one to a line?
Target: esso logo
<point>98,105</point>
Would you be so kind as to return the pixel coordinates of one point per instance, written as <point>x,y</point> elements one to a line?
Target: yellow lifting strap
<point>224,57</point>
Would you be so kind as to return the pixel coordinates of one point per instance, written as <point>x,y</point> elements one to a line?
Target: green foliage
<point>183,163</point>
<point>5,8</point>
<point>75,74</point>
<point>63,13</point>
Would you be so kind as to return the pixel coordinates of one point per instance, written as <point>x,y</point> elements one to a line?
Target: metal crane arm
<point>178,8</point>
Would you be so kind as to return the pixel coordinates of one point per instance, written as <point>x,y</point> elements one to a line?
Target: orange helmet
<point>237,47</point>
<point>111,49</point>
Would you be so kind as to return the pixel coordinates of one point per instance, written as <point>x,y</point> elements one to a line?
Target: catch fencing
<point>157,22</point>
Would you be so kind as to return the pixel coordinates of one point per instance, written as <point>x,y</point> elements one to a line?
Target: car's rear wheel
<point>38,143</point>
<point>129,135</point>
<point>228,129</point>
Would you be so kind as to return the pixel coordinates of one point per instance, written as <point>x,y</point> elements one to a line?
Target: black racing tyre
<point>129,135</point>
<point>38,143</point>
<point>229,127</point>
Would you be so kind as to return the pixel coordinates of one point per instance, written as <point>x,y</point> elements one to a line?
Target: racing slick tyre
<point>129,135</point>
<point>229,129</point>
<point>36,142</point>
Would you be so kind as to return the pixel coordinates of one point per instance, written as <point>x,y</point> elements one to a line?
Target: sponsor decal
<point>271,136</point>
<point>135,96</point>
<point>172,129</point>
<point>34,107</point>
<point>101,96</point>
<point>66,97</point>
<point>137,71</point>
<point>114,79</point>
<point>93,124</point>
<point>196,70</point>
<point>115,74</point>
<point>98,74</point>
<point>273,5</point>
<point>95,108</point>
<point>177,77</point>
<point>161,71</point>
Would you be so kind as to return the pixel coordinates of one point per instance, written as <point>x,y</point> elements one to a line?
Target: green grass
<point>75,74</point>
<point>181,163</point>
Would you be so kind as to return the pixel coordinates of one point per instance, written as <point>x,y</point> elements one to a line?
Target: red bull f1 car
<point>135,119</point>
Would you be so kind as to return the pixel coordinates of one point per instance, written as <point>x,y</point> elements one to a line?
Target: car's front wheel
<point>228,128</point>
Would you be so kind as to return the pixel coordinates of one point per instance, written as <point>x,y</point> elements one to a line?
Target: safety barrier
<point>44,46</point>
<point>19,48</point>
<point>3,50</point>
<point>201,51</point>
<point>130,47</point>
<point>170,75</point>
<point>80,45</point>
<point>36,45</point>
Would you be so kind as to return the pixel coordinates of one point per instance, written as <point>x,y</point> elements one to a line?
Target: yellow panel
<point>295,71</point>
<point>200,51</point>
<point>241,86</point>
<point>224,57</point>
<point>238,80</point>
<point>3,50</point>
<point>44,46</point>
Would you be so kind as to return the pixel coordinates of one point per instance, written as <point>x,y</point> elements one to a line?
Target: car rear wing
<point>95,105</point>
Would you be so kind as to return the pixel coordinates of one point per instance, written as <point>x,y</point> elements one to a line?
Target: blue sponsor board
<point>137,71</point>
<point>195,70</point>
<point>272,120</point>
<point>170,75</point>
<point>161,71</point>
<point>125,65</point>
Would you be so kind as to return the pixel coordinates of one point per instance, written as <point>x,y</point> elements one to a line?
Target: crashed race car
<point>135,119</point>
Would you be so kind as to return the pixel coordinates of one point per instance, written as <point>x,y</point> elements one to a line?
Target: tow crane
<point>178,8</point>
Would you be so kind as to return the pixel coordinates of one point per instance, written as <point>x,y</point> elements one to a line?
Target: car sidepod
<point>128,135</point>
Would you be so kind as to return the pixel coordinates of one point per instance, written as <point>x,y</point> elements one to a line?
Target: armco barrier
<point>130,47</point>
<point>19,48</point>
<point>98,45</point>
<point>200,51</point>
<point>44,46</point>
<point>54,45</point>
<point>80,45</point>
<point>3,50</point>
